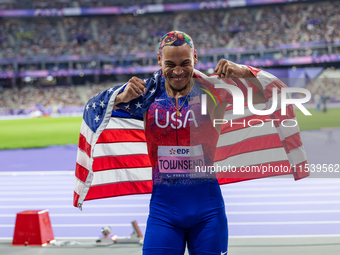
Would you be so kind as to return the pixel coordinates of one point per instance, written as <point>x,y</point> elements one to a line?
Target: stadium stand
<point>59,4</point>
<point>21,98</point>
<point>246,27</point>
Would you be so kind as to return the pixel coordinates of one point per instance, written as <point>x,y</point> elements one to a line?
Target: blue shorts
<point>192,215</point>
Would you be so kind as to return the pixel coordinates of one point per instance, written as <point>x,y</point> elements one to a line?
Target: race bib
<point>180,161</point>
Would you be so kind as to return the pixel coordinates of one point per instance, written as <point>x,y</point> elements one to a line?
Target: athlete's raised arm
<point>228,69</point>
<point>133,89</point>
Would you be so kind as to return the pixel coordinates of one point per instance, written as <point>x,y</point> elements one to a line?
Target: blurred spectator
<point>264,26</point>
<point>24,98</point>
<point>59,4</point>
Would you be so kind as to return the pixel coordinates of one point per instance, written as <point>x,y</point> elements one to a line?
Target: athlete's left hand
<point>228,69</point>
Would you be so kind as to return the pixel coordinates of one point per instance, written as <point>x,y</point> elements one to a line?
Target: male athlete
<point>185,209</point>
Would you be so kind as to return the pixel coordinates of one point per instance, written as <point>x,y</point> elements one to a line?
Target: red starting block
<point>33,228</point>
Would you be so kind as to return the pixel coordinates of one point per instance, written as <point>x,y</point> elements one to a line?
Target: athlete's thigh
<point>209,236</point>
<point>163,238</point>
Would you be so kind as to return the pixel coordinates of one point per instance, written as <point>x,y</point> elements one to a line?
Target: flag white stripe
<point>237,136</point>
<point>83,159</point>
<point>254,158</point>
<point>285,132</point>
<point>228,115</point>
<point>279,100</point>
<point>297,155</point>
<point>120,149</point>
<point>86,132</point>
<point>122,123</point>
<point>122,175</point>
<point>265,78</point>
<point>78,185</point>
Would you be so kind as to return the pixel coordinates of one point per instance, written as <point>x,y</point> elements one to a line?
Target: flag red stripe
<point>285,146</point>
<point>129,161</point>
<point>254,87</point>
<point>119,189</point>
<point>290,114</point>
<point>241,86</point>
<point>121,135</point>
<point>301,171</point>
<point>84,146</point>
<point>248,145</point>
<point>268,91</point>
<point>81,172</point>
<point>254,70</point>
<point>75,199</point>
<point>293,141</point>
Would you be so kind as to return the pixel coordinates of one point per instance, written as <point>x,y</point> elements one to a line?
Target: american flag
<point>112,157</point>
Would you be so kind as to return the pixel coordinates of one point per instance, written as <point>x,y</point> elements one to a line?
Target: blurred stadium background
<point>56,55</point>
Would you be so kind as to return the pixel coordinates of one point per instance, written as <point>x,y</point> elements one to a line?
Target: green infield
<point>42,132</point>
<point>318,120</point>
<point>39,132</point>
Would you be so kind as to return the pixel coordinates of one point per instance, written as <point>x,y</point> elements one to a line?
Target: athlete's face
<point>178,63</point>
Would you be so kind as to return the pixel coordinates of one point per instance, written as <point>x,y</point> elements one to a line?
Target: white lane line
<point>286,236</point>
<point>225,196</point>
<point>328,187</point>
<point>287,183</point>
<point>230,224</point>
<point>48,187</point>
<point>283,223</point>
<point>37,173</point>
<point>36,193</point>
<point>224,190</point>
<point>83,225</point>
<point>245,186</point>
<point>27,183</point>
<point>70,206</point>
<point>38,199</point>
<point>282,195</point>
<point>281,212</point>
<point>231,237</point>
<point>80,214</point>
<point>284,203</point>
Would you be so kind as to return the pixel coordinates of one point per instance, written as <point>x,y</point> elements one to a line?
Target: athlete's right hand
<point>133,89</point>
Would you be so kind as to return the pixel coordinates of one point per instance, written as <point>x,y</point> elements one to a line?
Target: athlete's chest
<point>169,114</point>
